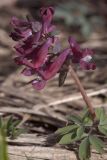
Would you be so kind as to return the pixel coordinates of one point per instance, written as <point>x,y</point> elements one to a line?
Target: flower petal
<point>74,45</point>
<point>28,71</point>
<point>15,22</point>
<point>41,55</point>
<point>36,26</point>
<point>17,34</point>
<point>54,67</point>
<point>47,14</point>
<point>87,52</point>
<point>87,66</point>
<point>38,84</point>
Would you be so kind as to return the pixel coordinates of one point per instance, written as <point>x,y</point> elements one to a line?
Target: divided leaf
<point>68,138</point>
<point>103,120</point>
<point>84,149</point>
<point>76,119</point>
<point>99,112</point>
<point>66,129</point>
<point>80,131</point>
<point>102,130</point>
<point>84,114</point>
<point>97,143</point>
<point>9,122</point>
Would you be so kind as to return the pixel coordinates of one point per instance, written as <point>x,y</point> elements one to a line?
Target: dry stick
<point>81,88</point>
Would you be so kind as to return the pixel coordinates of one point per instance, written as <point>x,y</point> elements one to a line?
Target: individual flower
<point>37,57</point>
<point>38,84</point>
<point>22,29</point>
<point>52,68</point>
<point>80,56</point>
<point>41,55</point>
<point>47,16</point>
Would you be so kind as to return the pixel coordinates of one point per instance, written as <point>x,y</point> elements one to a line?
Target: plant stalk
<point>82,90</point>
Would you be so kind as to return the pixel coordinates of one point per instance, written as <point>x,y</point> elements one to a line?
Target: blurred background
<point>43,112</point>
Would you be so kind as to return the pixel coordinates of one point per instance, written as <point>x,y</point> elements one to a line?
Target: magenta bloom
<point>22,29</point>
<point>52,68</point>
<point>81,56</point>
<point>39,50</point>
<point>47,16</point>
<point>41,55</point>
<point>38,84</point>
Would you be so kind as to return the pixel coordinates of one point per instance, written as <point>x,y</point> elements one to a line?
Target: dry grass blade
<point>77,97</point>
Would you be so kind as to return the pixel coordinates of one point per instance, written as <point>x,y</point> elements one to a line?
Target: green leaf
<point>68,138</point>
<point>80,132</point>
<point>102,130</point>
<point>84,114</point>
<point>86,118</point>
<point>66,129</point>
<point>99,112</point>
<point>104,126</point>
<point>76,119</point>
<point>0,121</point>
<point>3,145</point>
<point>62,77</point>
<point>16,122</point>
<point>103,120</point>
<point>97,143</point>
<point>84,149</point>
<point>87,122</point>
<point>9,124</point>
<point>16,133</point>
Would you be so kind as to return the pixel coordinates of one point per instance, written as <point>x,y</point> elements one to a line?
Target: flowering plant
<point>38,50</point>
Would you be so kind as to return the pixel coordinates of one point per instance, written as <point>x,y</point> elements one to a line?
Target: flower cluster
<point>35,48</point>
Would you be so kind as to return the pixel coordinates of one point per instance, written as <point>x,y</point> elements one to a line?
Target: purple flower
<point>81,56</point>
<point>52,68</point>
<point>22,29</point>
<point>38,84</point>
<point>17,23</point>
<point>17,34</point>
<point>27,46</point>
<point>42,53</point>
<point>37,57</point>
<point>50,71</point>
<point>28,71</point>
<point>47,16</point>
<point>39,50</point>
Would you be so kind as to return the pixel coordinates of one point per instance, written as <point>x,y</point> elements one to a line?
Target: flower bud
<point>47,14</point>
